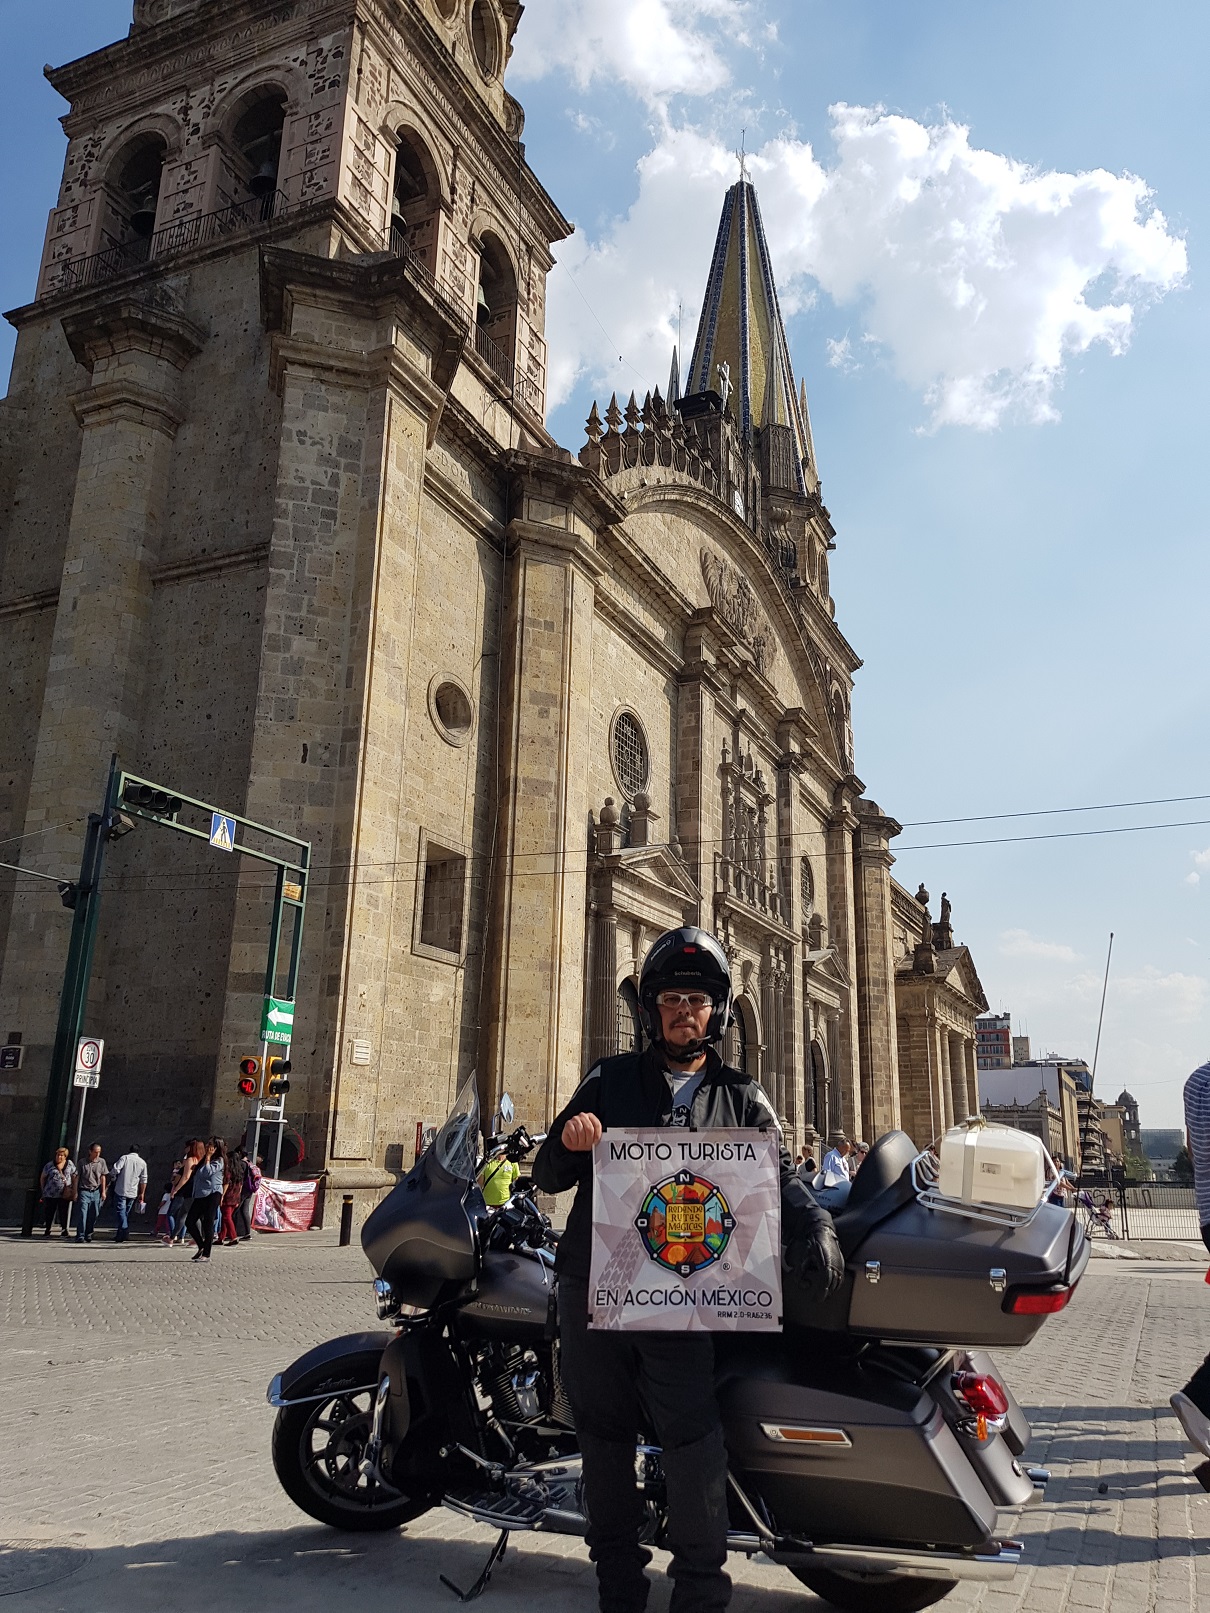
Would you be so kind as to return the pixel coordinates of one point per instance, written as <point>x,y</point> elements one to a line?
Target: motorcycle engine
<point>522,1388</point>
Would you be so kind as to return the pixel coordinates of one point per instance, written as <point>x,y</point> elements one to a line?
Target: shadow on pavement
<point>315,1570</point>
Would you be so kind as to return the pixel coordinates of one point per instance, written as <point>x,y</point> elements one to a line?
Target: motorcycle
<point>875,1448</point>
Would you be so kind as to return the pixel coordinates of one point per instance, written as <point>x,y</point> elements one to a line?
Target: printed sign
<point>686,1232</point>
<point>277,1020</point>
<point>284,1206</point>
<point>89,1052</point>
<point>222,831</point>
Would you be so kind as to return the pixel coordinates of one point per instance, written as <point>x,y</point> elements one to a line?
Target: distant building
<point>994,1042</point>
<point>1022,1084</point>
<point>1131,1134</point>
<point>1021,1052</point>
<point>1161,1148</point>
<point>1041,1118</point>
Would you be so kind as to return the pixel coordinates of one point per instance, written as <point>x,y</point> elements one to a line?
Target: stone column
<point>93,696</point>
<point>945,1085</point>
<point>533,1017</point>
<point>957,1061</point>
<point>972,1076</point>
<point>699,801</point>
<point>846,1071</point>
<point>877,1039</point>
<point>770,1070</point>
<point>603,990</point>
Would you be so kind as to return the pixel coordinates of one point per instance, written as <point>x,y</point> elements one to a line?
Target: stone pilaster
<point>972,1076</point>
<point>93,696</point>
<point>846,1072</point>
<point>958,1076</point>
<point>875,969</point>
<point>602,988</point>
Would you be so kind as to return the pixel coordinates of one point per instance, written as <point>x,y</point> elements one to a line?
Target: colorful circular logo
<point>685,1223</point>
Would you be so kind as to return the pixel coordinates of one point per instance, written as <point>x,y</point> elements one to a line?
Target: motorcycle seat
<point>882,1186</point>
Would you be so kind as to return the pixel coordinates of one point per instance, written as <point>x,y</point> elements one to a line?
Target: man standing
<point>94,1184</point>
<point>129,1178</point>
<point>678,1080</point>
<point>834,1192</point>
<point>1192,1403</point>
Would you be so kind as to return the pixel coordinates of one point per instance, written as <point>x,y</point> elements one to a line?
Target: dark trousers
<point>1198,1387</point>
<point>52,1209</point>
<point>199,1221</point>
<point>243,1216</point>
<point>664,1382</point>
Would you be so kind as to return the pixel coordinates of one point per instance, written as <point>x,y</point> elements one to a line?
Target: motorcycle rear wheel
<point>317,1448</point>
<point>873,1593</point>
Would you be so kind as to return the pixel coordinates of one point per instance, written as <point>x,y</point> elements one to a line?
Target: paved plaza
<point>136,1471</point>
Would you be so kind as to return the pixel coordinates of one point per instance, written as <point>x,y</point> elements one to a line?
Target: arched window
<point>817,1089</point>
<point>135,184</point>
<point>629,1037</point>
<point>256,138</point>
<point>736,1043</point>
<point>485,40</point>
<point>415,198</point>
<point>806,891</point>
<point>496,308</point>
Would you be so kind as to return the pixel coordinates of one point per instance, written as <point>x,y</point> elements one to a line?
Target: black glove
<point>813,1252</point>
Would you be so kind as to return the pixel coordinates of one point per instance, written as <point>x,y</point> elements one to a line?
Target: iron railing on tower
<point>181,235</point>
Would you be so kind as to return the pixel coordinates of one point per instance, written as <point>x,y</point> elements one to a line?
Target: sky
<point>988,225</point>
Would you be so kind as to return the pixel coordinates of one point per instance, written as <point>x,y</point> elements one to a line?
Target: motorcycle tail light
<point>1037,1301</point>
<point>982,1394</point>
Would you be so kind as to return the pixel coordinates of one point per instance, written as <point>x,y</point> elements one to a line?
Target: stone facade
<point>281,526</point>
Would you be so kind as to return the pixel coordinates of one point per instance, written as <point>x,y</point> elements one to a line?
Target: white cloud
<point>1201,863</point>
<point>1171,997</point>
<point>976,277</point>
<point>656,48</point>
<point>840,354</point>
<point>1193,878</point>
<point>1020,944</point>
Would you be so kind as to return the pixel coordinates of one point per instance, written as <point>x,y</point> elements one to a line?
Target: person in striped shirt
<point>1192,1403</point>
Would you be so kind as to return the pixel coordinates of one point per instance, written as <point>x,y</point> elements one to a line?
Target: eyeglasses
<point>695,1000</point>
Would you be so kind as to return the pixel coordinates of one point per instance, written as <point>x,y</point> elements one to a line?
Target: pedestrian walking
<point>163,1220</point>
<point>248,1187</point>
<point>93,1191</point>
<point>129,1186</point>
<point>182,1187</point>
<point>57,1185</point>
<point>207,1181</point>
<point>1192,1403</point>
<point>233,1190</point>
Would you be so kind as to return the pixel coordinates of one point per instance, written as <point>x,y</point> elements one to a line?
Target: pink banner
<point>284,1206</point>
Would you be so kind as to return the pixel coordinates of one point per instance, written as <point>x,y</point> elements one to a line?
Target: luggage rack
<point>926,1168</point>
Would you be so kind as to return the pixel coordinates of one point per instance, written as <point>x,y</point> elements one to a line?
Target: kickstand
<point>496,1555</point>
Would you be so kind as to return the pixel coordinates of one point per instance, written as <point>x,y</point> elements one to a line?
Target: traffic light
<point>277,1070</point>
<point>249,1076</point>
<point>149,799</point>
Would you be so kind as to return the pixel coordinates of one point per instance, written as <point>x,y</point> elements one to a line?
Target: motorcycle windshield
<point>457,1143</point>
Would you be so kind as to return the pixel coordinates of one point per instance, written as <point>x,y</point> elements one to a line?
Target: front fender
<point>306,1379</point>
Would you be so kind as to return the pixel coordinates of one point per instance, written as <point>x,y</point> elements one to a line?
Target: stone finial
<point>726,754</point>
<point>648,413</point>
<point>609,829</point>
<point>593,424</point>
<point>643,821</point>
<point>922,896</point>
<point>613,415</point>
<point>632,415</point>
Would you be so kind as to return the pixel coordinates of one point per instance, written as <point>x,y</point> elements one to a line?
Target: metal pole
<point>74,993</point>
<point>76,1155</point>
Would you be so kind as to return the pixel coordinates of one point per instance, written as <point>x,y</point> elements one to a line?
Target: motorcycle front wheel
<point>873,1593</point>
<point>317,1452</point>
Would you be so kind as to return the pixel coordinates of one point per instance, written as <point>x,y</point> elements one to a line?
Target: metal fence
<point>1140,1211</point>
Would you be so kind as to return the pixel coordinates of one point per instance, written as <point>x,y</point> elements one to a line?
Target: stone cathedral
<point>282,527</point>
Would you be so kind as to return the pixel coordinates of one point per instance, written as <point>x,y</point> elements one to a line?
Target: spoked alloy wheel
<point>317,1452</point>
<point>873,1593</point>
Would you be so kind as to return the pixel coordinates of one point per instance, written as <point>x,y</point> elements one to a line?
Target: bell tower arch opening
<point>134,185</point>
<point>496,307</point>
<point>415,200</point>
<point>256,140</point>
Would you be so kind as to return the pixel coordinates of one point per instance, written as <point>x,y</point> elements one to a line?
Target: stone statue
<point>723,371</point>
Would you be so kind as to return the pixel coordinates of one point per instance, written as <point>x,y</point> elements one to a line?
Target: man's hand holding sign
<point>683,1192</point>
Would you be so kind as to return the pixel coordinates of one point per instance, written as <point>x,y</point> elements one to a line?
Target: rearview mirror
<point>506,1109</point>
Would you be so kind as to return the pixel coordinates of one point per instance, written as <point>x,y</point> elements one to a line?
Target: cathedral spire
<point>741,328</point>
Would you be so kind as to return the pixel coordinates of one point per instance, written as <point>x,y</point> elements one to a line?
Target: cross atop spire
<point>740,334</point>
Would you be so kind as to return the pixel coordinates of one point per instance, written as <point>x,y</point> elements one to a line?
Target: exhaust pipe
<point>999,1560</point>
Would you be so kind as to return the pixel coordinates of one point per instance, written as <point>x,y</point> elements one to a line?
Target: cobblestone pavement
<point>135,1471</point>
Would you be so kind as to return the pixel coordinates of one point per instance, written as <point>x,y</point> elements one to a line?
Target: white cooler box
<point>992,1165</point>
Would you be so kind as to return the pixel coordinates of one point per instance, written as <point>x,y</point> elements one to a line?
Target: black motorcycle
<point>875,1448</point>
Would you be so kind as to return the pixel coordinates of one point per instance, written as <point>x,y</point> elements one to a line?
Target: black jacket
<point>633,1090</point>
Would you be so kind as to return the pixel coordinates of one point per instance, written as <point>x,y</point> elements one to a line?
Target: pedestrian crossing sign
<point>222,832</point>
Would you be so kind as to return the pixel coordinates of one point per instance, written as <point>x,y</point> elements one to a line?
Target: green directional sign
<point>277,1020</point>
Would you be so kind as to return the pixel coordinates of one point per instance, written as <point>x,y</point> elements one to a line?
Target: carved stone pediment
<point>734,598</point>
<point>825,967</point>
<point>648,882</point>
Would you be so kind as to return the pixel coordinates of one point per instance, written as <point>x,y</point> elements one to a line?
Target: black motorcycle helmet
<point>687,959</point>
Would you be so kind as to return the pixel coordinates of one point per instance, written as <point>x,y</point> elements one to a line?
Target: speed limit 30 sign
<point>89,1052</point>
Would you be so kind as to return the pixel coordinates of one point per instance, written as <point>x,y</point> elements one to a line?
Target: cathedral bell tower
<point>256,465</point>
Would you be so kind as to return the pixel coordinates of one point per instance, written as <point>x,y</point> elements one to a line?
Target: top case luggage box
<point>992,1165</point>
<point>935,1277</point>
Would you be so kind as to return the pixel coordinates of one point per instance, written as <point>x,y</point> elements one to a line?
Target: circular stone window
<point>484,38</point>
<point>452,710</point>
<point>628,751</point>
